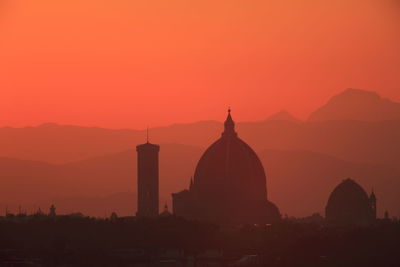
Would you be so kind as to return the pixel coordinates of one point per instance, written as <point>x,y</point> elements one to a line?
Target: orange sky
<point>128,63</point>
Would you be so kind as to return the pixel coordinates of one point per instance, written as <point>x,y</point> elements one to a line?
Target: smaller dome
<point>166,212</point>
<point>349,204</point>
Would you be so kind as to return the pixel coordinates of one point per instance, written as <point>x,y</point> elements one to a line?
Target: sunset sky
<point>128,63</point>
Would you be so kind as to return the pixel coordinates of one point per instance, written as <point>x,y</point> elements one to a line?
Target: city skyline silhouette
<point>364,149</point>
<point>199,133</point>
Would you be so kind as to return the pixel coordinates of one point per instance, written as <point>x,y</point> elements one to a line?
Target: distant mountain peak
<point>353,92</point>
<point>357,104</point>
<point>282,115</point>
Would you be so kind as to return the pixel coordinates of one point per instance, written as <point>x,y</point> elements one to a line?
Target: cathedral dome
<point>349,204</point>
<point>229,185</point>
<point>230,165</point>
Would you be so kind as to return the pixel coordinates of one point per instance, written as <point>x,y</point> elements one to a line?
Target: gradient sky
<point>128,64</point>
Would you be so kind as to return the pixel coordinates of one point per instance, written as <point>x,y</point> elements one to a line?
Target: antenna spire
<point>147,135</point>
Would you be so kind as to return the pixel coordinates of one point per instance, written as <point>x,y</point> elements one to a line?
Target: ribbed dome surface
<point>232,164</point>
<point>229,185</point>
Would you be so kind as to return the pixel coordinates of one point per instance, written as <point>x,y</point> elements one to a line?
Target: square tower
<point>147,180</point>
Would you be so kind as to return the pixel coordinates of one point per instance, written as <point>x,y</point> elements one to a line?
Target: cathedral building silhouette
<point>229,185</point>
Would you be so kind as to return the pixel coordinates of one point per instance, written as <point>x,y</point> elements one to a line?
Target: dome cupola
<point>229,126</point>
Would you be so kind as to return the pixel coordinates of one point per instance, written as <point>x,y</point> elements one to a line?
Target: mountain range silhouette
<point>93,170</point>
<point>355,104</point>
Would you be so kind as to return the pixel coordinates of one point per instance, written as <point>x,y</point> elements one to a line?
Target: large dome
<point>229,185</point>
<point>349,203</point>
<point>229,164</point>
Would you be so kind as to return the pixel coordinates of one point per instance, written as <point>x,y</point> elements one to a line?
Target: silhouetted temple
<point>147,180</point>
<point>350,204</point>
<point>229,185</point>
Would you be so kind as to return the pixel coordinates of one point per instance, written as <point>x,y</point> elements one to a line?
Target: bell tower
<point>147,180</point>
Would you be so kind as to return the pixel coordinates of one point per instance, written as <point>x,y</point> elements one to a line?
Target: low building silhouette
<point>350,204</point>
<point>166,213</point>
<point>52,211</point>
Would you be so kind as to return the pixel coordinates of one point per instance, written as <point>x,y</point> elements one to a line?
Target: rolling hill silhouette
<point>357,141</point>
<point>283,115</point>
<point>303,160</point>
<point>108,183</point>
<point>56,143</point>
<point>32,183</point>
